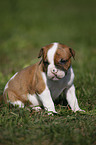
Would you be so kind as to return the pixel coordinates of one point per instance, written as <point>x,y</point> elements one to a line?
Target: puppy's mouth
<point>56,77</point>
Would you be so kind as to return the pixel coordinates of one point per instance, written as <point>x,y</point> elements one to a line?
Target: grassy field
<point>26,26</point>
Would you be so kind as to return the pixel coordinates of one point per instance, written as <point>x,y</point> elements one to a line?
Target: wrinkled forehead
<point>58,51</point>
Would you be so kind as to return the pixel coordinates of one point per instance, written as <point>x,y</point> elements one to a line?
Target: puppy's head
<point>56,60</point>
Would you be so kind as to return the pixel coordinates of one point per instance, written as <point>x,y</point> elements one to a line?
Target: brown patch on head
<point>63,56</point>
<point>43,54</point>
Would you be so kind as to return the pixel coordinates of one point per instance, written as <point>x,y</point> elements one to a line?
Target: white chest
<point>56,87</point>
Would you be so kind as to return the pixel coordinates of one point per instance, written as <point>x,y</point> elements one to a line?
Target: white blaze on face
<point>51,53</point>
<point>52,72</point>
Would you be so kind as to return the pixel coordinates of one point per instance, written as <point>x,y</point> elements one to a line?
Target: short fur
<point>44,81</point>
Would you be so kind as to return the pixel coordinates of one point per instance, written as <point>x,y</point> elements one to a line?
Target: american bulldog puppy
<point>43,82</point>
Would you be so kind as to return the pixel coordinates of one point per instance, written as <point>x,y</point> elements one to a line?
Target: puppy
<point>43,82</point>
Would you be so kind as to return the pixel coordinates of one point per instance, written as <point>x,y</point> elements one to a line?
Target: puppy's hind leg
<point>18,103</point>
<point>11,98</point>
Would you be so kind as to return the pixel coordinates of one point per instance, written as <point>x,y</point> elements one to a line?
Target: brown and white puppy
<point>44,81</point>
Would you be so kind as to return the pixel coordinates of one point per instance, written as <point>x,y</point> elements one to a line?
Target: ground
<point>25,27</point>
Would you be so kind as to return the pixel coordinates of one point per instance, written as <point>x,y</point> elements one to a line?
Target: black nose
<point>54,70</point>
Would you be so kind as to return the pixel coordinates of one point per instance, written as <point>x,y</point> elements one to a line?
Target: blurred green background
<point>27,25</point>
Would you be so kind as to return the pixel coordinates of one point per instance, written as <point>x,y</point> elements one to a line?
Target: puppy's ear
<point>44,50</point>
<point>41,53</point>
<point>72,52</point>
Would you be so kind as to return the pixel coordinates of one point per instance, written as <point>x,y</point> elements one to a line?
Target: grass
<point>26,26</point>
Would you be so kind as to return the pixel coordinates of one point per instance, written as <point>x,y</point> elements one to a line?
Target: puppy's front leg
<point>46,99</point>
<point>71,98</point>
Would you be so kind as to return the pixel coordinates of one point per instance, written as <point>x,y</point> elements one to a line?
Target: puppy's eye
<point>63,61</point>
<point>46,62</point>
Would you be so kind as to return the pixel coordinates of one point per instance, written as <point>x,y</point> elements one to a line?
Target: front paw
<point>79,110</point>
<point>52,113</point>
